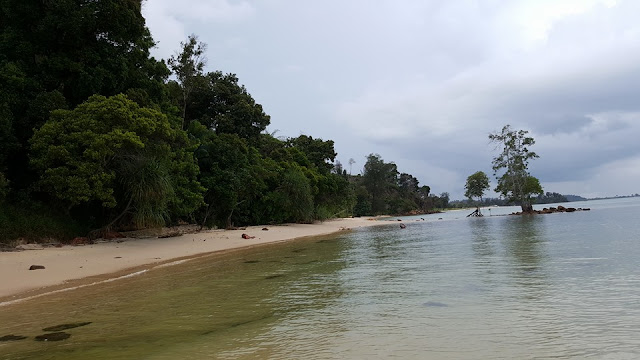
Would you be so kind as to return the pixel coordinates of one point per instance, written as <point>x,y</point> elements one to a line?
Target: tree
<point>223,105</point>
<point>476,185</point>
<point>515,184</point>
<point>351,162</point>
<point>56,54</point>
<point>188,66</point>
<point>113,154</point>
<point>381,180</point>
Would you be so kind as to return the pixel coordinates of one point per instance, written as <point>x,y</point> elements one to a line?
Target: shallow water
<point>500,287</point>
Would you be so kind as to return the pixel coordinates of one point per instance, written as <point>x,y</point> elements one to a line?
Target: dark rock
<point>265,229</point>
<point>252,261</point>
<point>586,209</point>
<point>36,267</point>
<point>66,326</point>
<point>570,209</point>
<point>402,226</point>
<point>245,236</point>
<point>561,208</point>
<point>56,336</point>
<point>12,338</point>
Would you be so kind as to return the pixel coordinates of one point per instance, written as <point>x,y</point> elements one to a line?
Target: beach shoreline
<point>70,267</point>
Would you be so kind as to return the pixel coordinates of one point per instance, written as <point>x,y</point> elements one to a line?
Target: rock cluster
<point>552,210</point>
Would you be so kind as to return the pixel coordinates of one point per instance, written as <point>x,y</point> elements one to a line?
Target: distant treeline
<point>546,198</point>
<point>95,136</point>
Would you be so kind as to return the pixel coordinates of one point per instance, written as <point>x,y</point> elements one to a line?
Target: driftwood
<point>476,213</point>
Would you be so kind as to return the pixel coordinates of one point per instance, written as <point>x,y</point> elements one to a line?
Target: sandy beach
<point>71,266</point>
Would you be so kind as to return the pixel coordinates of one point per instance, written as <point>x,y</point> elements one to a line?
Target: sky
<point>423,83</point>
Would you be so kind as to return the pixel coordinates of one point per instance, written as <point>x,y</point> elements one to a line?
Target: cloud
<point>424,82</point>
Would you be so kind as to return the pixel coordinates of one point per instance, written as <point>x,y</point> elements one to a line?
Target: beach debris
<point>12,338</point>
<point>245,236</point>
<point>265,229</point>
<point>80,240</point>
<point>170,235</point>
<point>56,336</point>
<point>402,226</point>
<point>30,247</point>
<point>399,219</point>
<point>66,326</point>
<point>36,267</point>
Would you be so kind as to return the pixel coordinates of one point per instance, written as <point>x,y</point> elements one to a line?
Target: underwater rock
<point>66,326</point>
<point>12,338</point>
<point>56,336</point>
<point>435,304</point>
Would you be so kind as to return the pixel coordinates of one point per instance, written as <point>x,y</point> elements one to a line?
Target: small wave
<point>10,302</point>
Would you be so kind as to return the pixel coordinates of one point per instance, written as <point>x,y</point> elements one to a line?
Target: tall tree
<point>55,54</point>
<point>188,66</point>
<point>515,184</point>
<point>380,179</point>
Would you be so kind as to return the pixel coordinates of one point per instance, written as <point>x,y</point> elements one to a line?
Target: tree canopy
<point>515,183</point>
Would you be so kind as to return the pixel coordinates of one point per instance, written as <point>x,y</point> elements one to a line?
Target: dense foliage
<point>95,136</point>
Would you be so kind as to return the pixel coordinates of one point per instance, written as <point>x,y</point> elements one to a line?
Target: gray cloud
<point>424,82</point>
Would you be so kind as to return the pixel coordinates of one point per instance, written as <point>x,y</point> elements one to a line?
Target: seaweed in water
<point>66,326</point>
<point>56,336</point>
<point>273,276</point>
<point>12,337</point>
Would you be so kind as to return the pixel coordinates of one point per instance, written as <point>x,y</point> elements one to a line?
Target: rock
<point>586,209</point>
<point>265,229</point>
<point>245,236</point>
<point>56,336</point>
<point>66,326</point>
<point>36,267</point>
<point>12,338</point>
<point>402,226</point>
<point>570,209</point>
<point>561,208</point>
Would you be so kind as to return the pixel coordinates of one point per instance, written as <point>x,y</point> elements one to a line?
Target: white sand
<point>68,265</point>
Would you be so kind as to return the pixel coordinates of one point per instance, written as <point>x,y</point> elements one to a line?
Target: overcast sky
<point>423,83</point>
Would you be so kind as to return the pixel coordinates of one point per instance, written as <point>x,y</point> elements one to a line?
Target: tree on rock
<point>515,184</point>
<point>476,185</point>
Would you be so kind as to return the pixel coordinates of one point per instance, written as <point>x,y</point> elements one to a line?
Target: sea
<point>447,286</point>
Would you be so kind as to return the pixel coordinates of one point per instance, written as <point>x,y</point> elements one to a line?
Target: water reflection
<point>525,244</point>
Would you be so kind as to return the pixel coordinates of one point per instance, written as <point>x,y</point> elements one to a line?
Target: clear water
<point>502,287</point>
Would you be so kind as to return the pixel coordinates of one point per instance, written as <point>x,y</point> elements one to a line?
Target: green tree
<point>188,66</point>
<point>476,185</point>
<point>381,180</point>
<point>55,54</point>
<point>113,153</point>
<point>515,184</point>
<point>223,105</point>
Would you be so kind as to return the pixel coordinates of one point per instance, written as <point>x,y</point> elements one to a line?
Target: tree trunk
<point>527,208</point>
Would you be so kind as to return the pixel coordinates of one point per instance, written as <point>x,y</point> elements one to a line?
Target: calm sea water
<point>501,287</point>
